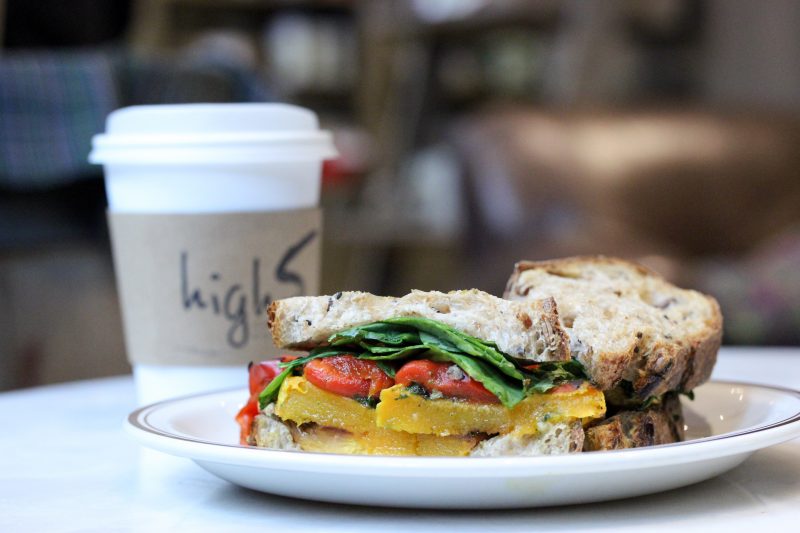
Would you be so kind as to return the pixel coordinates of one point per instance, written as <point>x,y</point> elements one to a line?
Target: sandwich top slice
<point>528,330</point>
<point>462,373</point>
<point>628,326</point>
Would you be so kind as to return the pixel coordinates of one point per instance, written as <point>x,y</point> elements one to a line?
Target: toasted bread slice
<point>526,330</point>
<point>626,322</point>
<point>662,424</point>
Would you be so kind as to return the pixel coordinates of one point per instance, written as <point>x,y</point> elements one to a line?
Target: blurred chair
<point>694,183</point>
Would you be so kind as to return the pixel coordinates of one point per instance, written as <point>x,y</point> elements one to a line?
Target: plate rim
<point>746,441</point>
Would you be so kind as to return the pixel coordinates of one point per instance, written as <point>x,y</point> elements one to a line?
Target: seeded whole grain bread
<point>661,424</point>
<point>626,322</point>
<point>526,330</point>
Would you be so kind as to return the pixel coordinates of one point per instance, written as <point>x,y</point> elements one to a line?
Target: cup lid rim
<point>166,140</point>
<point>213,132</point>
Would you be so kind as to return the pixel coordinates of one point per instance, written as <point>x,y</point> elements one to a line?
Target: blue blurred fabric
<point>53,102</point>
<point>50,106</point>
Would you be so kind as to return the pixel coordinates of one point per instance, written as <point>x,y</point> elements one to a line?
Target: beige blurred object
<point>60,319</point>
<point>693,183</point>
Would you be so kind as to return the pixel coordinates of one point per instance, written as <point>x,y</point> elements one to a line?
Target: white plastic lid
<point>211,133</point>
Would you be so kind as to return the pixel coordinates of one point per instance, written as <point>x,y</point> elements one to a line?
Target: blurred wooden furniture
<point>694,183</point>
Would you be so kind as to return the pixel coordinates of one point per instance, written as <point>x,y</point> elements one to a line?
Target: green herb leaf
<point>550,374</point>
<point>270,392</point>
<point>419,390</point>
<point>377,332</point>
<point>371,401</point>
<point>387,369</point>
<point>651,401</point>
<point>445,335</point>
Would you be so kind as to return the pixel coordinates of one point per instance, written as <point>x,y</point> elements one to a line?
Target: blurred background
<point>473,133</point>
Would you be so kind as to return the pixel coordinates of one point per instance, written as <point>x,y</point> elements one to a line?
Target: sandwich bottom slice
<point>405,422</point>
<point>413,386</point>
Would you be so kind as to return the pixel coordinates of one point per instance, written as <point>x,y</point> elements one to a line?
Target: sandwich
<point>640,339</point>
<point>444,374</point>
<point>581,354</point>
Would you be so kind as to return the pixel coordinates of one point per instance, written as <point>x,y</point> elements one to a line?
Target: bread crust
<point>654,363</point>
<point>633,429</point>
<point>528,330</point>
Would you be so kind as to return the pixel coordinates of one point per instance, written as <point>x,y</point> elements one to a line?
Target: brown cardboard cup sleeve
<point>195,288</point>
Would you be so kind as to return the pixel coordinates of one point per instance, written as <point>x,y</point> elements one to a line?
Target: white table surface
<point>67,465</point>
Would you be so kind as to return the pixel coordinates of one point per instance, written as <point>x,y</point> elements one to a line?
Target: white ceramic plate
<point>725,424</point>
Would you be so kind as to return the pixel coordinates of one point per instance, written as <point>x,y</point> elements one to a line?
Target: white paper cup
<point>211,159</point>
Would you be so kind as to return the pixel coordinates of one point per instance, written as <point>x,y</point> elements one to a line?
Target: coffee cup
<point>213,213</point>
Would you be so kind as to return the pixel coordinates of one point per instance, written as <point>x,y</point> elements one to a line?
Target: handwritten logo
<point>234,302</point>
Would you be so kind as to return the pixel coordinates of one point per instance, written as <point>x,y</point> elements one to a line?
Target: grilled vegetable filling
<point>420,353</point>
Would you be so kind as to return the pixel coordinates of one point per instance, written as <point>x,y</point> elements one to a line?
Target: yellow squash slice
<point>408,424</point>
<point>401,410</point>
<point>343,425</point>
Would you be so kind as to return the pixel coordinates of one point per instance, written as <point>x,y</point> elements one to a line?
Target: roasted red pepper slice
<point>446,378</point>
<point>346,375</point>
<point>260,375</point>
